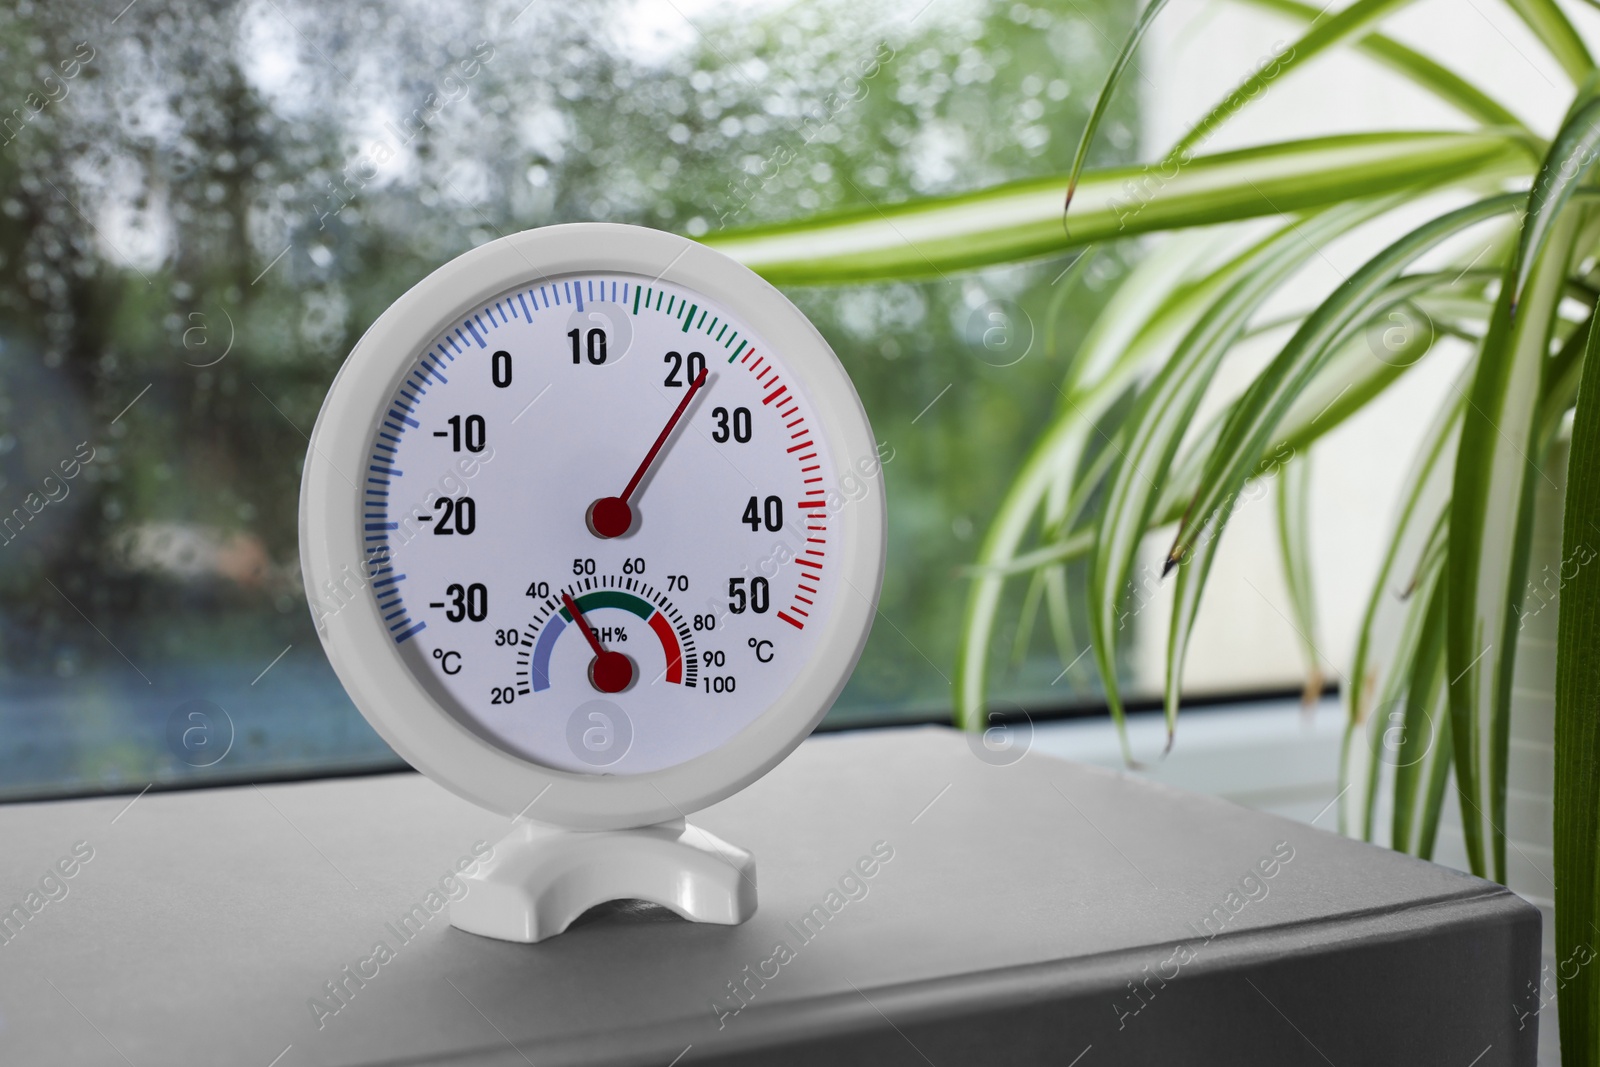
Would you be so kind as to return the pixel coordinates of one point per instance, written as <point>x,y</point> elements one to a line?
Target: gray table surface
<point>1021,906</point>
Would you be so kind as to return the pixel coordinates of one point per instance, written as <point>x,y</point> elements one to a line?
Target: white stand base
<point>540,878</point>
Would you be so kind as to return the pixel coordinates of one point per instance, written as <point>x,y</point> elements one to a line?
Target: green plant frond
<point>1418,751</point>
<point>1186,593</point>
<point>1060,615</point>
<point>1388,708</point>
<point>1025,621</point>
<point>929,237</point>
<point>1423,498</point>
<point>1261,409</point>
<point>1166,407</point>
<point>1294,549</point>
<point>1497,469</point>
<point>1550,24</point>
<point>1102,102</point>
<point>1441,81</point>
<point>1149,311</point>
<point>1572,155</point>
<point>1324,33</point>
<point>1577,728</point>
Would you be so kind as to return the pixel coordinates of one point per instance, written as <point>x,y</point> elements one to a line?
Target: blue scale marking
<point>580,296</point>
<point>543,294</point>
<point>539,668</point>
<point>475,336</point>
<point>417,629</point>
<point>525,310</point>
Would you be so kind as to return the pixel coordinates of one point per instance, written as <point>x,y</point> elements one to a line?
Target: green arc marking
<point>611,598</point>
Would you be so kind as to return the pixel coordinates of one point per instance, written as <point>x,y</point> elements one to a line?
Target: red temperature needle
<point>609,672</point>
<point>611,516</point>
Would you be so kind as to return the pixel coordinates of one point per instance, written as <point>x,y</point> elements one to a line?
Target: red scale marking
<point>788,408</point>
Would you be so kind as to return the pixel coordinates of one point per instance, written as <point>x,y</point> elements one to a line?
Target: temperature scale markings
<point>692,316</point>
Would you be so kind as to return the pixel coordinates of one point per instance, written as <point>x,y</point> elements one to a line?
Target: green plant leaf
<point>1492,498</point>
<point>1152,307</point>
<point>1294,548</point>
<point>1186,594</point>
<point>1260,410</point>
<point>1166,407</point>
<point>928,237</point>
<point>1103,101</point>
<point>1577,729</point>
<point>1547,21</point>
<point>1323,34</point>
<point>1441,81</point>
<point>1423,499</point>
<point>1426,715</point>
<point>1572,155</point>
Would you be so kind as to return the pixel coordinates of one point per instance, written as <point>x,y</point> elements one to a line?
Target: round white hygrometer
<point>600,513</point>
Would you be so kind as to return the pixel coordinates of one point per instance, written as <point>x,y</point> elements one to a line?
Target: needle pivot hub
<point>610,516</point>
<point>611,672</point>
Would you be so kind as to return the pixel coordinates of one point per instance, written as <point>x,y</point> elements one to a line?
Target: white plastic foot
<point>541,878</point>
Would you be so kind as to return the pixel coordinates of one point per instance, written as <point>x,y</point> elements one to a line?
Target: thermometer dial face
<point>593,520</point>
<point>483,498</point>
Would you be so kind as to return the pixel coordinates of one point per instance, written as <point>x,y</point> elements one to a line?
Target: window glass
<point>203,205</point>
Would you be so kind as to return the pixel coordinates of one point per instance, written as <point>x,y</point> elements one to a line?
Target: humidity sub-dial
<point>606,635</point>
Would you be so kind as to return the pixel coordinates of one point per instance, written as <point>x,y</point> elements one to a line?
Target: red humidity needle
<point>609,672</point>
<point>612,516</point>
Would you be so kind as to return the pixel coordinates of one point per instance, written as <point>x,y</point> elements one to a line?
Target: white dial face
<point>579,597</point>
